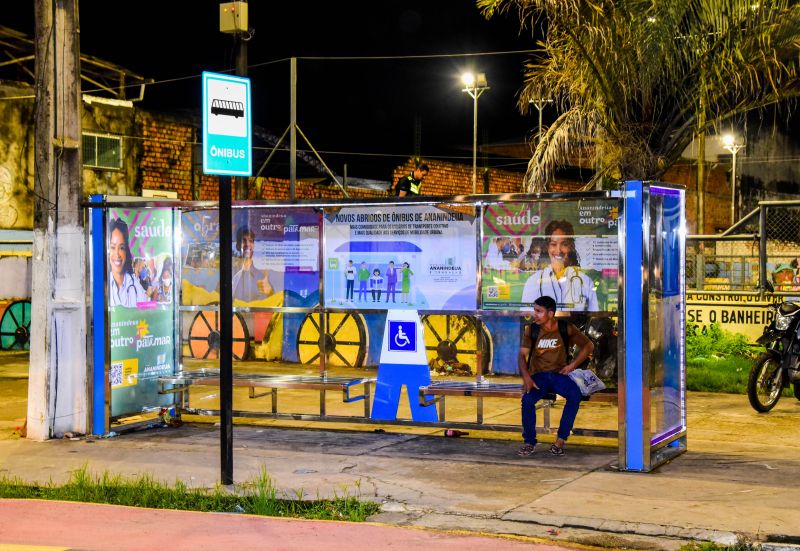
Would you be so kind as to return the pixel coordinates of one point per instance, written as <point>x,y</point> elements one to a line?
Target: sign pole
<point>227,146</point>
<point>225,330</point>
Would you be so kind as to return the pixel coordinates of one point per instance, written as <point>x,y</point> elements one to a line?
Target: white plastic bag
<point>587,381</point>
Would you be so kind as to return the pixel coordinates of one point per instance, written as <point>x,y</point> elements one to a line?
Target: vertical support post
<point>226,331</point>
<point>99,340</point>
<point>293,129</point>
<point>475,141</point>
<point>241,70</point>
<point>733,186</point>
<point>762,248</point>
<point>631,437</point>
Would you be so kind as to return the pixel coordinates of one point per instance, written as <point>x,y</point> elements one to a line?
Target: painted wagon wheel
<point>15,326</point>
<point>346,339</point>
<point>450,340</point>
<point>204,337</point>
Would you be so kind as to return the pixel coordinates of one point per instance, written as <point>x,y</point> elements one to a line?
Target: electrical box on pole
<point>233,17</point>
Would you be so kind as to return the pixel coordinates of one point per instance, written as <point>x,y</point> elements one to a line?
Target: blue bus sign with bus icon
<point>227,135</point>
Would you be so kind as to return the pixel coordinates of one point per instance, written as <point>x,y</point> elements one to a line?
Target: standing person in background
<point>391,281</point>
<point>363,278</point>
<point>411,184</point>
<point>375,284</point>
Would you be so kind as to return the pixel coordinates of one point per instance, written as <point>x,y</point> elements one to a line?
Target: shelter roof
<point>99,77</point>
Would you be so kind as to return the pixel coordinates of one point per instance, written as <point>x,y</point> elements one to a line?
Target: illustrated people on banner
<point>405,286</point>
<point>363,279</point>
<point>411,184</point>
<point>391,281</point>
<point>163,287</point>
<point>562,279</point>
<point>350,280</point>
<point>249,283</point>
<point>124,289</point>
<point>376,284</point>
<point>544,366</point>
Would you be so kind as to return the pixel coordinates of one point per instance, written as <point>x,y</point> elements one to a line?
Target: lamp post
<point>474,85</point>
<point>540,103</point>
<point>730,144</point>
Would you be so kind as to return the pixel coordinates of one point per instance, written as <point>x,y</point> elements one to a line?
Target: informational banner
<point>566,250</point>
<point>275,257</point>
<point>417,257</point>
<point>746,315</point>
<point>141,307</point>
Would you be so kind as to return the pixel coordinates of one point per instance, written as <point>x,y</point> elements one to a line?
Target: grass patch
<point>256,497</point>
<point>718,374</point>
<point>742,544</point>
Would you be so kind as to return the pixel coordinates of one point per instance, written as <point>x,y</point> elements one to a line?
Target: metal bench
<point>482,389</point>
<point>180,383</point>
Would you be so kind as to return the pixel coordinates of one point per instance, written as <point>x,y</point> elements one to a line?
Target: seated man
<point>544,364</point>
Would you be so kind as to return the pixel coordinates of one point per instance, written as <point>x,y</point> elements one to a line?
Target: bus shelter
<point>386,308</point>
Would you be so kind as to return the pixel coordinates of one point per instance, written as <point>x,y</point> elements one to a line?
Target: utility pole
<point>240,39</point>
<point>293,129</point>
<point>57,377</point>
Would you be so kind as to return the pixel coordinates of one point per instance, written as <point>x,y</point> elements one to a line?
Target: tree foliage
<point>636,80</point>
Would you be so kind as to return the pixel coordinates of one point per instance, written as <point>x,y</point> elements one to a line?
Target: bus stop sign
<point>227,134</point>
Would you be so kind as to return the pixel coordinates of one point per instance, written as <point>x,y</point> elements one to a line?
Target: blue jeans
<point>548,383</point>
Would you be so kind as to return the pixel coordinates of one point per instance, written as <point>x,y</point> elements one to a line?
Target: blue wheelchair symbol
<point>402,336</point>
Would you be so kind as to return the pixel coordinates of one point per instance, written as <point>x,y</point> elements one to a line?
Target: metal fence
<point>760,254</point>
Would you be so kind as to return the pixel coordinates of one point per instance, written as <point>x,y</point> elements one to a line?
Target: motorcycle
<point>779,366</point>
<point>602,331</point>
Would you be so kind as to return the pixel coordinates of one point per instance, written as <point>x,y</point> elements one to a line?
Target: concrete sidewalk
<point>737,478</point>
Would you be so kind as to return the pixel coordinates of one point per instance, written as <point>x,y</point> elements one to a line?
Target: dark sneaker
<point>526,450</point>
<point>555,450</point>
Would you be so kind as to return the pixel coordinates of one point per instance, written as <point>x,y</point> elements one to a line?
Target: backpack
<point>564,332</point>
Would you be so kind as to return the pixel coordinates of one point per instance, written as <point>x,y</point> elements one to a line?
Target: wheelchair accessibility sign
<point>402,336</point>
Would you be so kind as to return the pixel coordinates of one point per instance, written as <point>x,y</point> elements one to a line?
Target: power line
<point>421,56</point>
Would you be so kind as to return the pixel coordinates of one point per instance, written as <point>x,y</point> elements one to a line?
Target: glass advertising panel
<point>141,305</point>
<point>275,257</point>
<point>415,257</point>
<point>666,307</point>
<point>566,250</point>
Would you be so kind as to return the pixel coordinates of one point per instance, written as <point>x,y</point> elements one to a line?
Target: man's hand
<point>528,385</point>
<point>567,369</point>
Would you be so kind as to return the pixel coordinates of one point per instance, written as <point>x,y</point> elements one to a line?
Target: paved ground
<point>737,478</point>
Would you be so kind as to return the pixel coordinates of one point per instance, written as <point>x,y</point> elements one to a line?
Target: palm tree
<point>636,80</point>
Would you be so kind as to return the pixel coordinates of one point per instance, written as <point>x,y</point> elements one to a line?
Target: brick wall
<point>717,202</point>
<point>166,158</point>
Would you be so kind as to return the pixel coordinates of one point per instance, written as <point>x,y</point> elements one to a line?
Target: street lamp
<point>540,103</point>
<point>730,143</point>
<point>474,85</point>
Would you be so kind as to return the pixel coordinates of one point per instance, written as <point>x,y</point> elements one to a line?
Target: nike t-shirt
<point>549,353</point>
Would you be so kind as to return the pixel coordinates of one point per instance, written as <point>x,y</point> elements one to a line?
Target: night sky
<point>359,112</point>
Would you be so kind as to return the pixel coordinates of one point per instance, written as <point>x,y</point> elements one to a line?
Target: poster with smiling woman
<point>566,250</point>
<point>141,306</point>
